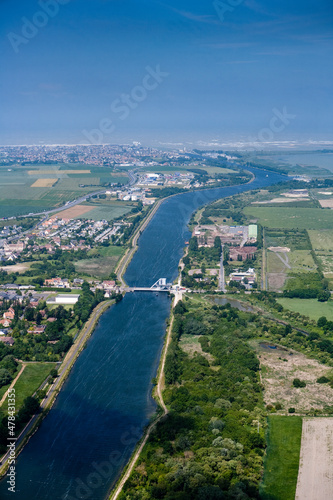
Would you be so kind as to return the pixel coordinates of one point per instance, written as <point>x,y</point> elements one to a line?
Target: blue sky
<point>226,72</point>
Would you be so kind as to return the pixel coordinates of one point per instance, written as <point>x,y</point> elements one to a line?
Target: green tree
<point>322,321</point>
<point>193,245</point>
<point>324,296</point>
<point>5,377</point>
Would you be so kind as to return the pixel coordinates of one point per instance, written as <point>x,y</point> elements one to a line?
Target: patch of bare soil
<point>279,367</point>
<point>276,281</point>
<point>17,268</point>
<point>192,347</point>
<point>326,203</point>
<point>75,211</point>
<point>315,475</point>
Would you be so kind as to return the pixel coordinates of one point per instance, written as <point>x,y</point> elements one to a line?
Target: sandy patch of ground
<point>76,211</point>
<point>280,366</point>
<point>326,203</point>
<point>17,268</point>
<point>280,200</point>
<point>315,476</point>
<point>190,344</point>
<point>276,281</point>
<point>296,193</point>
<point>194,271</point>
<point>279,249</point>
<point>44,183</point>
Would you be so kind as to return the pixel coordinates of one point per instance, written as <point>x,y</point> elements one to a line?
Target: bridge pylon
<point>161,282</point>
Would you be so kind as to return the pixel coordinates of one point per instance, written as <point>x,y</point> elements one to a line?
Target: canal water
<point>102,409</point>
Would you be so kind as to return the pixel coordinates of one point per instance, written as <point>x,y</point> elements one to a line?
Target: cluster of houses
<point>58,283</point>
<point>107,285</point>
<point>58,228</point>
<point>7,318</point>
<point>9,252</point>
<point>9,315</point>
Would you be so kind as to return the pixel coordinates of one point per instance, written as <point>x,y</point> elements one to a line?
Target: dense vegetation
<point>208,446</point>
<point>57,338</point>
<point>307,286</point>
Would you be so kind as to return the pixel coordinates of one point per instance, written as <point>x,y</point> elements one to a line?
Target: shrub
<point>291,410</point>
<point>322,380</point>
<point>298,383</point>
<point>54,373</point>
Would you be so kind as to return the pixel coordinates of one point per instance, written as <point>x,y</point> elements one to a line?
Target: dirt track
<point>315,476</point>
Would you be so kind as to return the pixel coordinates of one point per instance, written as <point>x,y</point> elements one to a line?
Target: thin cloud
<point>242,62</point>
<point>231,45</point>
<point>206,19</point>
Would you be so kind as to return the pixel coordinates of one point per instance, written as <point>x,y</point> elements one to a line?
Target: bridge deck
<point>147,289</point>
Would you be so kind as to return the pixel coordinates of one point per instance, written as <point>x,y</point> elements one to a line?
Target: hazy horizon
<point>77,71</point>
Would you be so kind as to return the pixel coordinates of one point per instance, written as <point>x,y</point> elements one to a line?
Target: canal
<point>86,439</point>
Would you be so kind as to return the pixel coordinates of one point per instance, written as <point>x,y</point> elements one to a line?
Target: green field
<point>309,307</point>
<point>322,241</point>
<point>282,458</point>
<point>292,218</point>
<point>301,261</point>
<point>274,264</point>
<point>32,377</point>
<point>18,197</point>
<point>103,265</point>
<point>108,212</point>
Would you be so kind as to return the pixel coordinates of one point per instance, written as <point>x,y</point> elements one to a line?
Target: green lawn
<point>102,266</point>
<point>32,377</point>
<point>291,218</point>
<point>282,458</point>
<point>309,307</point>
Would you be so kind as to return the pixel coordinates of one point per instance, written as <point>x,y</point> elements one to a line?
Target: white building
<point>64,299</point>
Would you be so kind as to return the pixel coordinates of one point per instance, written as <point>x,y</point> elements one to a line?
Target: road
<point>221,274</point>
<point>66,365</point>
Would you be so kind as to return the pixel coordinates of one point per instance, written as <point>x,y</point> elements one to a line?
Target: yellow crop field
<point>44,183</point>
